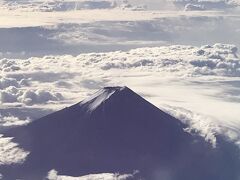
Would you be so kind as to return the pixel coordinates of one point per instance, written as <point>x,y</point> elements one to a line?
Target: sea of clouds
<point>53,82</point>
<point>198,85</point>
<point>128,45</point>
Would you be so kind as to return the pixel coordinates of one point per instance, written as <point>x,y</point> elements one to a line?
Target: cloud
<point>53,175</point>
<point>28,97</point>
<point>39,97</point>
<point>52,6</point>
<point>208,4</point>
<point>204,126</point>
<point>10,121</point>
<point>8,82</point>
<point>178,75</point>
<point>10,153</point>
<point>11,88</point>
<point>7,65</point>
<point>110,30</point>
<point>219,60</point>
<point>9,95</point>
<point>196,125</point>
<point>193,7</point>
<point>125,5</point>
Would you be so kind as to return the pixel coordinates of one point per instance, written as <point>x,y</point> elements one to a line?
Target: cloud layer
<point>61,5</point>
<point>207,4</point>
<point>59,34</point>
<point>164,75</point>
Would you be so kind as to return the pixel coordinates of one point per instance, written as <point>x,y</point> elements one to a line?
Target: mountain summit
<point>102,96</point>
<point>116,130</point>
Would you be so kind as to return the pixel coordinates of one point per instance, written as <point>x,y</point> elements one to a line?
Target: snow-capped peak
<point>101,96</point>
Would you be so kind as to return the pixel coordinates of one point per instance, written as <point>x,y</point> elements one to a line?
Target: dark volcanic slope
<point>116,130</point>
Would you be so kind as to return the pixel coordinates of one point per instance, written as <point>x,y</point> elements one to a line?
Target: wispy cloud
<point>53,175</point>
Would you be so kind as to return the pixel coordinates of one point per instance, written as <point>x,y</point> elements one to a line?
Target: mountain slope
<point>116,130</point>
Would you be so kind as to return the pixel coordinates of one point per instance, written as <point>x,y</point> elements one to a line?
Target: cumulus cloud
<point>7,65</point>
<point>8,82</point>
<point>54,82</point>
<point>10,121</point>
<point>28,97</point>
<point>219,59</point>
<point>39,97</point>
<point>53,74</point>
<point>10,153</point>
<point>52,175</point>
<point>12,88</point>
<point>9,95</point>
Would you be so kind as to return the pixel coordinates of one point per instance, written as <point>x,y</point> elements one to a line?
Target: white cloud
<point>193,7</point>
<point>84,31</point>
<point>180,76</point>
<point>61,5</point>
<point>29,97</point>
<point>8,65</point>
<point>10,153</point>
<point>198,124</point>
<point>39,97</point>
<point>7,82</point>
<point>204,126</point>
<point>209,4</point>
<point>9,94</point>
<point>53,175</point>
<point>12,88</point>
<point>10,121</point>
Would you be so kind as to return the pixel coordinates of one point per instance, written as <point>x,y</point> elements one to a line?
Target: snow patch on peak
<point>100,97</point>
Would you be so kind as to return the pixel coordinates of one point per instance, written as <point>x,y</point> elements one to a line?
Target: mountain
<point>116,130</point>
